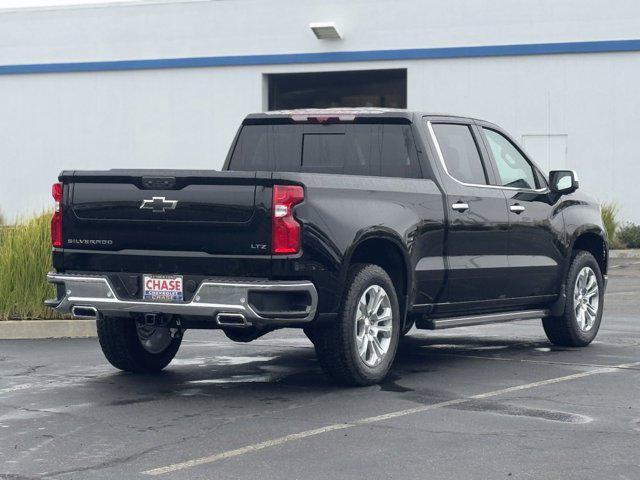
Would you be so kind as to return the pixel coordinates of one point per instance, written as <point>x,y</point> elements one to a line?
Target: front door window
<point>513,169</point>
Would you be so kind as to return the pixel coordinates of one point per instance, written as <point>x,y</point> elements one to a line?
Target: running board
<point>469,320</point>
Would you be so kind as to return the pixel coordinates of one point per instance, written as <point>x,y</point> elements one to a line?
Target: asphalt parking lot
<point>483,402</point>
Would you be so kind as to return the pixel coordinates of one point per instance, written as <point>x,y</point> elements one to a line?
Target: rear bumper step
<point>223,303</point>
<point>470,320</point>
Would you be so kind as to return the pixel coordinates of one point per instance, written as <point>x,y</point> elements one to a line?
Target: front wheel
<point>359,348</point>
<point>136,348</point>
<point>579,324</point>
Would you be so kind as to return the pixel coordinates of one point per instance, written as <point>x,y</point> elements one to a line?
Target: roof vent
<point>325,31</point>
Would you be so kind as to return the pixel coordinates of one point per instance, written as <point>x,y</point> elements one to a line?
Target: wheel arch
<point>589,238</point>
<point>385,249</point>
<point>592,240</point>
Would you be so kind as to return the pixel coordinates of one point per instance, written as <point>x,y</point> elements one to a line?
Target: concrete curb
<point>625,253</point>
<point>35,329</point>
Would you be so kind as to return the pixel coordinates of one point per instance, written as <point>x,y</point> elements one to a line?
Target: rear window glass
<point>266,148</point>
<point>321,150</point>
<point>354,149</point>
<point>399,156</point>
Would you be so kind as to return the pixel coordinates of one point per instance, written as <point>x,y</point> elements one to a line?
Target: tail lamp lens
<point>285,228</point>
<point>56,220</point>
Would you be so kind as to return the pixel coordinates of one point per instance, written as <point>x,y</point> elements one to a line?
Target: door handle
<point>517,208</point>
<point>460,206</point>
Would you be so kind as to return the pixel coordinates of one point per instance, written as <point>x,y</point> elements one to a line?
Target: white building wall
<point>186,118</point>
<point>591,99</point>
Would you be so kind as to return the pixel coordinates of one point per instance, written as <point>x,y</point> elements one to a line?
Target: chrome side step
<point>469,320</point>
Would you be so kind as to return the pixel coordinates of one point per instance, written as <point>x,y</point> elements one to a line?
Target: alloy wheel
<point>373,325</point>
<point>586,299</point>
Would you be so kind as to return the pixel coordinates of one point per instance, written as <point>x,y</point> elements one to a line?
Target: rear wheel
<point>359,348</point>
<point>136,348</point>
<point>579,324</point>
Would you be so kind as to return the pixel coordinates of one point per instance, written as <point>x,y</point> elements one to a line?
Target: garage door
<point>364,88</point>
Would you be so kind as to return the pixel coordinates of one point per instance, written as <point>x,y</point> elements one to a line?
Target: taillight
<point>285,228</point>
<point>56,220</point>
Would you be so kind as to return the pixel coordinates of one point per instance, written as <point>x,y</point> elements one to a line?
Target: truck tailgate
<point>165,213</point>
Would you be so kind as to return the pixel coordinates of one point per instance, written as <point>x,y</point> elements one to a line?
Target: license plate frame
<point>162,288</point>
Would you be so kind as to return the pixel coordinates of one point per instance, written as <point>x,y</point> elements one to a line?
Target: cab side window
<point>513,169</point>
<point>460,153</point>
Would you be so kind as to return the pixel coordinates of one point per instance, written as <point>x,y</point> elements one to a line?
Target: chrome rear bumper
<point>214,299</point>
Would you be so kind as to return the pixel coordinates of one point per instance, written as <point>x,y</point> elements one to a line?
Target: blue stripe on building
<point>328,57</point>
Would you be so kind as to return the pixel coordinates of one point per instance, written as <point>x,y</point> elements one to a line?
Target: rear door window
<point>460,153</point>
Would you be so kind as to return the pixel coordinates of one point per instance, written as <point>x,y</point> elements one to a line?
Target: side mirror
<point>563,181</point>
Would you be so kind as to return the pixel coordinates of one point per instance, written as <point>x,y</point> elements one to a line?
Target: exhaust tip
<point>231,320</point>
<point>84,312</point>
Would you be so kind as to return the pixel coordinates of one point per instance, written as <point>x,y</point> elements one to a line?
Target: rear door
<point>536,226</point>
<point>477,238</point>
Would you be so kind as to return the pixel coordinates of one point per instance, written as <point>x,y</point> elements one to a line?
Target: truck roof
<point>345,113</point>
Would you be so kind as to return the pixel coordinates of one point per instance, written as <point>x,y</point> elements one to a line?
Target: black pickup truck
<point>353,224</point>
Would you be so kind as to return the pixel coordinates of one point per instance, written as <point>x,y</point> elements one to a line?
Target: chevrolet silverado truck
<point>352,224</point>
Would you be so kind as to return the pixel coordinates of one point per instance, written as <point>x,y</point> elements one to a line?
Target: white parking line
<point>379,418</point>
<point>541,362</point>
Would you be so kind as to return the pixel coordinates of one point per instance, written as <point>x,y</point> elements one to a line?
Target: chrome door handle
<point>460,206</point>
<point>517,208</point>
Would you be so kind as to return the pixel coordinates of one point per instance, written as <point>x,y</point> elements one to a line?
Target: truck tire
<point>579,324</point>
<point>359,348</point>
<point>128,348</point>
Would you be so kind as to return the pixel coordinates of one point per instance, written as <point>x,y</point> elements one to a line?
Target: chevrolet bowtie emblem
<point>158,204</point>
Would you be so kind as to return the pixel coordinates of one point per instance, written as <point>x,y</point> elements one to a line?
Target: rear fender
<point>388,235</point>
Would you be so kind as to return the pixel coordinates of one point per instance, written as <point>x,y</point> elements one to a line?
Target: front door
<point>535,225</point>
<point>477,241</point>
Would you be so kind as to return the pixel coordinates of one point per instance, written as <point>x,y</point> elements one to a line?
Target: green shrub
<point>25,252</point>
<point>629,235</point>
<point>610,219</point>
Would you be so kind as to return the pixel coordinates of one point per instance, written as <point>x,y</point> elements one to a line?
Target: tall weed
<point>610,220</point>
<point>25,253</point>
